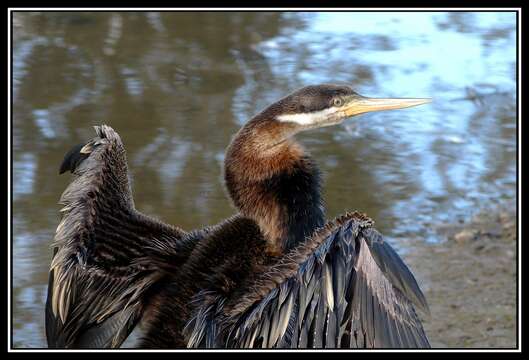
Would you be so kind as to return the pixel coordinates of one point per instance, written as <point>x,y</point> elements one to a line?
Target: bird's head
<point>324,105</point>
<point>317,106</point>
<point>308,108</point>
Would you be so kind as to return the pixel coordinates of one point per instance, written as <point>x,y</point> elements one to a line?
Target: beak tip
<point>425,101</point>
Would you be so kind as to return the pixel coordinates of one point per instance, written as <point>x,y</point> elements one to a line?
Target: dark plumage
<point>72,159</point>
<point>273,275</point>
<point>309,99</point>
<point>321,295</point>
<point>100,274</point>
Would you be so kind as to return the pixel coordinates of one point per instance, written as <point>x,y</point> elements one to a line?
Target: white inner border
<point>519,180</point>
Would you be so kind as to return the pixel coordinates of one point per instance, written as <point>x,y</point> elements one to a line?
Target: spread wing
<point>99,278</point>
<point>345,287</point>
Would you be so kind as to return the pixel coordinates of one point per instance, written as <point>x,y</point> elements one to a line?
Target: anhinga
<point>273,275</point>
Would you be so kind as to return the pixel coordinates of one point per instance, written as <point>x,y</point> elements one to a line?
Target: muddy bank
<point>469,279</point>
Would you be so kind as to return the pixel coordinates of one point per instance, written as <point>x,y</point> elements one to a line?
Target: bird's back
<point>227,256</point>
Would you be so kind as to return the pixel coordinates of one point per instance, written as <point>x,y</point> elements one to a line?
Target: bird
<point>276,274</point>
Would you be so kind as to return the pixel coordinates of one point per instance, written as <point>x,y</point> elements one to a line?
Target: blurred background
<point>439,180</point>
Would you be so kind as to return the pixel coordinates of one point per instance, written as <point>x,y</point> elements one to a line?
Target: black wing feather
<point>99,275</point>
<point>345,287</point>
<point>73,158</point>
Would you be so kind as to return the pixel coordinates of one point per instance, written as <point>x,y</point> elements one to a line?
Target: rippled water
<point>176,86</point>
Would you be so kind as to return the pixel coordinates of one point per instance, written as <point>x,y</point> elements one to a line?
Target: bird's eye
<point>337,102</point>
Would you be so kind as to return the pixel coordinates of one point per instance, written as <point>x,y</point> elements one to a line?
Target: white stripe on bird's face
<point>312,118</point>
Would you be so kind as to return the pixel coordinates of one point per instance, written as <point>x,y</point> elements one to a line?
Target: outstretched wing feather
<point>97,277</point>
<point>349,288</point>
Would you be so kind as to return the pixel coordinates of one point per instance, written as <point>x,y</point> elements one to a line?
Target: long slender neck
<point>272,181</point>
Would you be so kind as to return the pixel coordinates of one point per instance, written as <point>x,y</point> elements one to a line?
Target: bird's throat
<point>279,190</point>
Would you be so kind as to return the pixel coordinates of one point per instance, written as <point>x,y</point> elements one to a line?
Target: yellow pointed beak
<point>364,105</point>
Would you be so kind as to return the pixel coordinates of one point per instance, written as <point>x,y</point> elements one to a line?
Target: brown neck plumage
<point>272,181</point>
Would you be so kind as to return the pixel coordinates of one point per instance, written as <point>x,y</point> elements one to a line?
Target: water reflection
<point>176,86</point>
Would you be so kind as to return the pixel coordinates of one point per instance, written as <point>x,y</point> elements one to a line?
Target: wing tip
<point>77,154</point>
<point>72,159</point>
